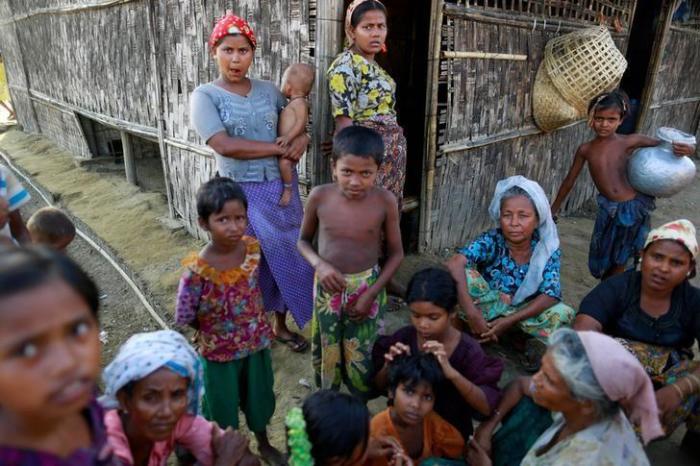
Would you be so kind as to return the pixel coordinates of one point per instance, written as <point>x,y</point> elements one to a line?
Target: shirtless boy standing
<point>297,82</point>
<point>622,223</point>
<point>349,218</point>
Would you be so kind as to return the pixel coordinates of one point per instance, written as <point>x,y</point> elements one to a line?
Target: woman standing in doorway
<point>363,93</point>
<point>237,117</point>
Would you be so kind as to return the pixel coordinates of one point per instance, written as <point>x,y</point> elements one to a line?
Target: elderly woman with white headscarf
<point>597,391</point>
<point>509,276</point>
<point>153,391</point>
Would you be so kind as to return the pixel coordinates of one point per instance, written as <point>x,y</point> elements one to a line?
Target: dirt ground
<point>125,219</point>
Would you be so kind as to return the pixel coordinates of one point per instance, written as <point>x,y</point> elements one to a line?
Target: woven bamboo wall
<point>78,54</point>
<point>675,97</point>
<point>485,126</point>
<point>95,58</point>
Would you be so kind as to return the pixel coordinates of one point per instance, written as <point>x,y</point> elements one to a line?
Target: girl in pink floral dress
<point>220,297</point>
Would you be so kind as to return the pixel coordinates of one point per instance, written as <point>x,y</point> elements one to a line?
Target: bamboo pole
<point>329,21</point>
<point>431,109</point>
<point>157,82</point>
<point>129,161</point>
<point>484,55</point>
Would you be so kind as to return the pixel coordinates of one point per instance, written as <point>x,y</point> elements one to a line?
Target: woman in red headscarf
<point>237,117</point>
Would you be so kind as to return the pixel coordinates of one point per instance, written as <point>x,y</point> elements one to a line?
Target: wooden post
<point>431,124</point>
<point>329,29</point>
<point>129,162</point>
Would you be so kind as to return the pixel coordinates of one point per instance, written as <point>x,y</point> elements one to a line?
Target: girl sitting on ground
<point>470,385</point>
<point>410,418</point>
<point>220,296</point>
<point>332,429</point>
<point>153,389</point>
<point>49,362</point>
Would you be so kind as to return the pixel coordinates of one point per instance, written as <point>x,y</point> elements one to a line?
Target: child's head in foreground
<point>431,296</point>
<point>606,111</point>
<point>335,424</point>
<point>49,345</point>
<point>357,155</point>
<point>412,382</point>
<point>222,208</point>
<point>51,227</point>
<point>297,80</point>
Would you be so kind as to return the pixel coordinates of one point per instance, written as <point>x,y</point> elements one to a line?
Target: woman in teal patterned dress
<point>509,276</point>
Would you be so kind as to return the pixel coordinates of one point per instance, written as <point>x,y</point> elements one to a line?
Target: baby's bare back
<point>293,118</point>
<point>350,231</point>
<point>607,162</point>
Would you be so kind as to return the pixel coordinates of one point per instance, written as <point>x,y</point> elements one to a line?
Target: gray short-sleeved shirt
<point>214,109</point>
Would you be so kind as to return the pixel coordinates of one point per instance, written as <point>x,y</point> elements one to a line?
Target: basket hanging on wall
<point>576,67</point>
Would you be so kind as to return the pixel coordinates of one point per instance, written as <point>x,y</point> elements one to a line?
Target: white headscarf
<point>145,353</point>
<point>549,238</point>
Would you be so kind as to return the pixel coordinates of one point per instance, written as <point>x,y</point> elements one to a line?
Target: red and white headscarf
<point>681,231</point>
<point>231,24</point>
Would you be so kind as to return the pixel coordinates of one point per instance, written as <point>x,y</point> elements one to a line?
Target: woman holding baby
<point>237,117</point>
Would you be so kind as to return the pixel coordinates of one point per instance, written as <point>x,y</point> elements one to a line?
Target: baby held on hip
<point>297,82</point>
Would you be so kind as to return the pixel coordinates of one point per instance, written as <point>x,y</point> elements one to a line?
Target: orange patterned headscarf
<point>348,18</point>
<point>231,24</point>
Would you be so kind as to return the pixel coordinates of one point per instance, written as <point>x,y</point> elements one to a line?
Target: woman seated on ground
<point>588,379</point>
<point>509,276</point>
<point>469,388</point>
<point>153,389</point>
<point>655,314</point>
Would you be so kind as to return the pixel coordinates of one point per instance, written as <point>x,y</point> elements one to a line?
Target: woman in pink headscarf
<point>594,387</point>
<point>655,314</point>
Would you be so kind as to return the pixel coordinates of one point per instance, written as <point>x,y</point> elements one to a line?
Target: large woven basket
<point>549,109</point>
<point>584,63</point>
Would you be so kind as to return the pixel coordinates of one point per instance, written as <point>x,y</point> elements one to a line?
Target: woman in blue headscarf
<point>153,391</point>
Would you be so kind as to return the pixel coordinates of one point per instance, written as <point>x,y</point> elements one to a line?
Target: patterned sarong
<point>492,307</point>
<point>286,279</point>
<point>392,171</point>
<point>341,348</point>
<point>619,232</point>
<point>665,366</point>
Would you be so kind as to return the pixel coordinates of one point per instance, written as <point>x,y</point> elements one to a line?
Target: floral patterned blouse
<point>226,306</point>
<point>489,254</point>
<point>360,90</point>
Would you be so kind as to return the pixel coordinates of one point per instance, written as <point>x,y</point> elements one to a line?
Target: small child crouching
<point>297,82</point>
<point>51,227</point>
<point>410,418</point>
<point>351,216</point>
<point>220,297</point>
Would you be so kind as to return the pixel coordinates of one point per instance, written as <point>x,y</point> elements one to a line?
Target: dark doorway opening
<point>107,148</point>
<point>640,49</point>
<point>406,61</point>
